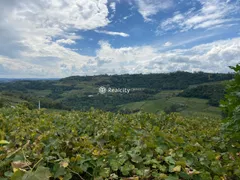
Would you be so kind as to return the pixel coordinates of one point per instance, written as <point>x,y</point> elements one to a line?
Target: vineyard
<point>41,145</point>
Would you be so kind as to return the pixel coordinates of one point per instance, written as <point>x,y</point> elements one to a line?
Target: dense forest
<point>175,80</point>
<point>213,92</point>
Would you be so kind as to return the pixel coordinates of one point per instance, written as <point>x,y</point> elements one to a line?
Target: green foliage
<point>213,92</point>
<point>170,81</point>
<point>174,108</point>
<point>41,173</point>
<point>1,103</point>
<point>231,107</point>
<point>100,145</point>
<point>4,142</point>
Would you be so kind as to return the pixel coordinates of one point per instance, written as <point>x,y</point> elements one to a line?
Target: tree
<point>231,107</point>
<point>172,108</point>
<point>1,103</point>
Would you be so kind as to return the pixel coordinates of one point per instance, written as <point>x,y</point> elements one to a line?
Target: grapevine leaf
<point>41,173</point>
<point>4,142</point>
<point>17,175</point>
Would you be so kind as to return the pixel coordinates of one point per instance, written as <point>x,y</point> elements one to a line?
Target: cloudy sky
<point>59,38</point>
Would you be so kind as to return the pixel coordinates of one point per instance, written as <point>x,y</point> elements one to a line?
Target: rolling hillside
<point>147,92</point>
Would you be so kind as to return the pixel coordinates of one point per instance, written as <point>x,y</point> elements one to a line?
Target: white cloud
<point>72,36</point>
<point>113,6</point>
<point>79,14</point>
<point>191,40</point>
<point>113,33</point>
<point>126,17</point>
<point>125,54</point>
<point>65,41</point>
<point>211,57</point>
<point>212,13</point>
<point>167,44</point>
<point>33,24</point>
<point>13,68</point>
<point>32,34</point>
<point>147,8</point>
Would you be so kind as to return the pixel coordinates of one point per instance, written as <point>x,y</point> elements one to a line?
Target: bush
<point>172,108</point>
<point>231,107</point>
<point>1,103</point>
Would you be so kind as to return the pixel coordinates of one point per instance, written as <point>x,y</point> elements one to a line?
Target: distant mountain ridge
<point>23,79</point>
<point>173,80</point>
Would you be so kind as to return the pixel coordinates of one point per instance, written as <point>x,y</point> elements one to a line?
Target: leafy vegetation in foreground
<point>231,107</point>
<point>98,145</point>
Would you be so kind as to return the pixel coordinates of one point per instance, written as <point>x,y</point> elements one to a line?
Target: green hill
<point>82,93</point>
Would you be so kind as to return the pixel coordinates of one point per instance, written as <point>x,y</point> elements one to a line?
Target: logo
<point>102,90</point>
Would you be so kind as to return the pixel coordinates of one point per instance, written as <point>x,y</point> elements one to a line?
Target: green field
<point>165,99</point>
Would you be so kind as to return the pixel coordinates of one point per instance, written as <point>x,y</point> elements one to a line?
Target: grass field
<point>165,99</point>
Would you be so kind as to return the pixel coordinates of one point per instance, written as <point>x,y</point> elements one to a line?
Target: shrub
<point>231,107</point>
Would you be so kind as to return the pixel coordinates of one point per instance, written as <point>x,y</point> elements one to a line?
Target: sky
<point>61,38</point>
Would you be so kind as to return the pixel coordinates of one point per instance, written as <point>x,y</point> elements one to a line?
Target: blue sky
<point>59,38</point>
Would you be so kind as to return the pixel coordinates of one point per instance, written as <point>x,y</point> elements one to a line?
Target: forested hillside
<point>213,92</point>
<point>82,93</point>
<point>175,80</point>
